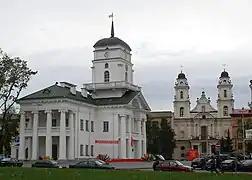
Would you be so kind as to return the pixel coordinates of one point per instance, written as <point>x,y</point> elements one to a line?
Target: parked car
<point>92,164</point>
<point>10,162</point>
<point>247,165</point>
<point>199,163</point>
<point>46,164</point>
<point>231,165</point>
<point>171,165</point>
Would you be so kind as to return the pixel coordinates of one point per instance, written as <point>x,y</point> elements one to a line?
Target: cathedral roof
<point>112,41</point>
<point>181,76</point>
<point>59,92</point>
<point>224,74</point>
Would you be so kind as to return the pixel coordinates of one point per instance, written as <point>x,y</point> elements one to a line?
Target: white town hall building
<point>107,116</point>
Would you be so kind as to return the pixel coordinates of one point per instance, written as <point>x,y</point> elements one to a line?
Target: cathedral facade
<point>202,126</point>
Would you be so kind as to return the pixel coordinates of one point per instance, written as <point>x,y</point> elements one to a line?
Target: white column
<point>139,145</point>
<point>48,133</point>
<point>35,136</point>
<point>194,129</point>
<point>144,137</point>
<point>189,130</point>
<point>213,130</point>
<point>22,137</point>
<point>71,140</point>
<point>29,148</point>
<point>123,136</point>
<point>199,132</point>
<point>208,130</point>
<point>129,139</point>
<point>62,143</point>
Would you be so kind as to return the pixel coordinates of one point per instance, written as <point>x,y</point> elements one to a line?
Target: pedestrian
<point>214,165</point>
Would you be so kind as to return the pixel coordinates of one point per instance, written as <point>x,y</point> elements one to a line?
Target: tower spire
<point>224,67</point>
<point>181,68</point>
<point>112,25</point>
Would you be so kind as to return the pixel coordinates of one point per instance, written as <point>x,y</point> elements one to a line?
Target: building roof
<point>181,76</point>
<point>112,41</point>
<point>57,92</point>
<point>224,74</point>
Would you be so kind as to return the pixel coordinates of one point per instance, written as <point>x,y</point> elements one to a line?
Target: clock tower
<point>112,60</point>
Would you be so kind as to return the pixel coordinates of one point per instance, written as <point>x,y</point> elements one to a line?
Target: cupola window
<point>126,76</point>
<point>106,76</point>
<point>181,112</point>
<point>106,65</point>
<point>225,93</point>
<point>181,95</point>
<point>225,111</point>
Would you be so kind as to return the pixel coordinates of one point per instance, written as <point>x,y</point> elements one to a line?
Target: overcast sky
<point>56,37</point>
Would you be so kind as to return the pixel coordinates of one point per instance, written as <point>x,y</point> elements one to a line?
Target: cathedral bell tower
<point>225,100</point>
<point>181,101</point>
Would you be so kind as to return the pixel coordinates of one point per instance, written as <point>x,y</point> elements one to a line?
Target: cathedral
<point>202,126</point>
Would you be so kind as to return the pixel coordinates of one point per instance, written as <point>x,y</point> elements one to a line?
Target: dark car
<point>247,165</point>
<point>46,164</point>
<point>10,162</point>
<point>92,164</point>
<point>171,165</point>
<point>231,165</point>
<point>199,163</point>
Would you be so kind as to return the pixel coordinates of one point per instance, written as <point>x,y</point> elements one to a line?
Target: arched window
<point>225,93</point>
<point>126,76</point>
<point>106,76</point>
<point>181,95</point>
<point>181,112</point>
<point>225,111</point>
<point>182,134</point>
<point>106,65</point>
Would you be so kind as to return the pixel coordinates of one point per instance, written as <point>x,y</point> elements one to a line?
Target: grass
<point>82,174</point>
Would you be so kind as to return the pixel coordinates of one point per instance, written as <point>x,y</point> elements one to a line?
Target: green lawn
<point>81,174</point>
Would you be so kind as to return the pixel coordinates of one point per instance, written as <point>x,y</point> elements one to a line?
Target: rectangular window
<point>81,150</point>
<point>54,122</point>
<point>92,150</point>
<point>81,125</point>
<point>87,125</point>
<point>86,150</point>
<point>92,126</point>
<point>240,146</point>
<point>105,126</point>
<point>67,122</point>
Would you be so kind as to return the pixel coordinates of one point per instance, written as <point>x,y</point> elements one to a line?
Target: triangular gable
<point>142,103</point>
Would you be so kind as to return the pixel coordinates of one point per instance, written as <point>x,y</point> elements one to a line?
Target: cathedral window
<point>181,112</point>
<point>106,65</point>
<point>203,109</point>
<point>106,76</point>
<point>126,76</point>
<point>182,134</point>
<point>225,93</point>
<point>225,111</point>
<point>181,95</point>
<point>126,67</point>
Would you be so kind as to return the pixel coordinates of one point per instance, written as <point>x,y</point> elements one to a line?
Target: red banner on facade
<point>107,141</point>
<point>192,154</point>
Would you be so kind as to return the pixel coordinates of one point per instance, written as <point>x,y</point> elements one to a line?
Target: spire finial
<point>224,66</point>
<point>112,25</point>
<point>181,68</point>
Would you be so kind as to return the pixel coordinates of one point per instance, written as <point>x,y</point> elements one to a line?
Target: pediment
<point>139,102</point>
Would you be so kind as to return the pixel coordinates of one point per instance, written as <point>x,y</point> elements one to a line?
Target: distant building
<point>201,127</point>
<point>107,116</point>
<point>240,116</point>
<point>157,116</point>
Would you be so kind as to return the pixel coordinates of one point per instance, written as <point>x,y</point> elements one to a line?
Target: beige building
<point>201,127</point>
<point>157,116</point>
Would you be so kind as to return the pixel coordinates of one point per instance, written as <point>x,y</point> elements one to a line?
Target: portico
<point>48,124</point>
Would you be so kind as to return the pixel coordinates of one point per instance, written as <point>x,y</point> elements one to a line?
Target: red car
<point>171,165</point>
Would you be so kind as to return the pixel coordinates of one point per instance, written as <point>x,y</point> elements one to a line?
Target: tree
<point>166,139</point>
<point>152,130</point>
<point>14,77</point>
<point>228,143</point>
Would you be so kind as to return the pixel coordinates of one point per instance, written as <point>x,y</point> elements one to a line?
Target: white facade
<point>107,117</point>
<point>201,127</point>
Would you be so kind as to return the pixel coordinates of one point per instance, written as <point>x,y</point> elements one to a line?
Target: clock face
<point>106,54</point>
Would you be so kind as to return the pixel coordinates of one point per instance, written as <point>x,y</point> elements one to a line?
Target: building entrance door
<point>55,151</point>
